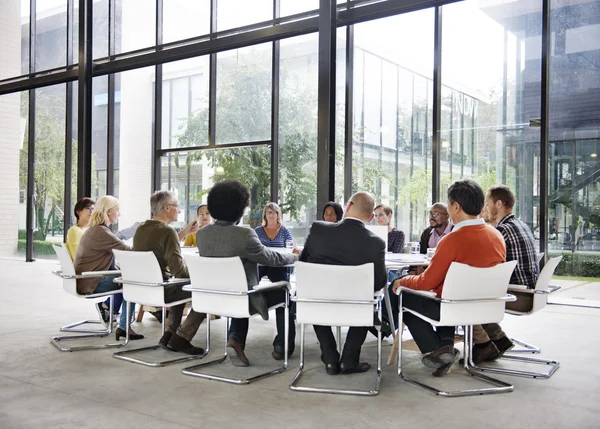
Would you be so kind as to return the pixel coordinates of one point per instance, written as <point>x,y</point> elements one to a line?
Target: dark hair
<point>199,207</point>
<point>468,194</point>
<point>386,209</point>
<point>504,194</point>
<point>82,204</point>
<point>228,199</point>
<point>339,212</point>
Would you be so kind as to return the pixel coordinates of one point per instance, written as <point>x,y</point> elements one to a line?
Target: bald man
<point>348,242</point>
<point>439,226</point>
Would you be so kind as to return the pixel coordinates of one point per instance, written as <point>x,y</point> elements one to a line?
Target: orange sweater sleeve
<point>433,277</point>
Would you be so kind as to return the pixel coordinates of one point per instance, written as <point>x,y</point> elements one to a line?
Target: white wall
<point>10,126</point>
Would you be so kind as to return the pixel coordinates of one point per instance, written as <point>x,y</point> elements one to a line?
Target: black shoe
<point>158,315</point>
<point>279,352</point>
<point>103,314</point>
<point>180,344</point>
<point>236,353</point>
<point>503,345</point>
<point>440,357</point>
<point>483,352</point>
<point>332,368</point>
<point>358,368</point>
<point>443,370</point>
<point>164,340</point>
<point>132,335</point>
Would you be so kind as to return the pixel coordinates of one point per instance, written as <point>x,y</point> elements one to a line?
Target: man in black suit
<point>348,242</point>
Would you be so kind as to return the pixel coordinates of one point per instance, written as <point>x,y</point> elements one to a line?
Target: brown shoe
<point>180,344</point>
<point>483,352</point>
<point>440,357</point>
<point>236,353</point>
<point>503,345</point>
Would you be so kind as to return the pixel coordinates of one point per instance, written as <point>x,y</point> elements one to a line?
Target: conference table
<point>393,261</point>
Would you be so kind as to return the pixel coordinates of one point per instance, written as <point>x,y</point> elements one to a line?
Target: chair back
<point>141,267</point>
<point>224,275</point>
<point>540,257</point>
<point>67,267</point>
<point>334,283</point>
<point>464,282</point>
<point>381,232</point>
<point>541,299</point>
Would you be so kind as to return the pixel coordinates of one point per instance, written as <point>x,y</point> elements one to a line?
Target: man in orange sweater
<point>471,242</point>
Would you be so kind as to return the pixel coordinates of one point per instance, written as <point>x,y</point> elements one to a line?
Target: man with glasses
<point>157,236</point>
<point>439,226</point>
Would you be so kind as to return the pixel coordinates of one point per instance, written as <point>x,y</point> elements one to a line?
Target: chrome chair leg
<point>124,355</point>
<point>527,348</point>
<point>56,340</point>
<point>554,365</point>
<point>193,370</point>
<point>502,387</point>
<point>372,392</point>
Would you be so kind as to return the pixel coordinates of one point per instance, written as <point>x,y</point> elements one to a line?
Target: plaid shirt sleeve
<point>520,247</point>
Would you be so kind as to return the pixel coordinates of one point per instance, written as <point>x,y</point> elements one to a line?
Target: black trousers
<point>351,353</point>
<point>238,330</point>
<point>423,333</point>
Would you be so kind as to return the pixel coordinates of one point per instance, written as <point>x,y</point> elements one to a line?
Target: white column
<point>10,126</point>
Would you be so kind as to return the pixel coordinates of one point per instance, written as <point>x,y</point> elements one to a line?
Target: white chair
<point>540,299</point>
<point>381,232</point>
<point>143,284</point>
<point>67,273</point>
<point>540,257</point>
<point>219,286</point>
<point>335,295</point>
<point>471,296</point>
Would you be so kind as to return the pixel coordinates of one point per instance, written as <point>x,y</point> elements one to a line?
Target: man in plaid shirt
<point>490,341</point>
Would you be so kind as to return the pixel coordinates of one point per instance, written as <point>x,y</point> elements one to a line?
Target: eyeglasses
<point>90,209</point>
<point>436,214</point>
<point>173,205</point>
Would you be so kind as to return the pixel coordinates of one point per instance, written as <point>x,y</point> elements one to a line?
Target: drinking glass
<point>430,252</point>
<point>289,244</point>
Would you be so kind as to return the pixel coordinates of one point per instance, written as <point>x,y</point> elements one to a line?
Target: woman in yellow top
<point>204,218</point>
<point>83,213</point>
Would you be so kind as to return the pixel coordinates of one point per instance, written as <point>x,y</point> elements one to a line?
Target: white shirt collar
<point>468,222</point>
<point>355,218</point>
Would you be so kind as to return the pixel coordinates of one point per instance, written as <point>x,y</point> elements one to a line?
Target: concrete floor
<point>41,387</point>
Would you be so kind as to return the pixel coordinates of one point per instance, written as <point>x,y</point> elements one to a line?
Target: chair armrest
<point>100,273</point>
<point>425,293</point>
<point>271,286</point>
<point>553,288</point>
<point>119,280</point>
<point>177,281</point>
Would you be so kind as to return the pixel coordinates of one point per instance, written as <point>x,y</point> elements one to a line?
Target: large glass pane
<point>298,92</point>
<point>191,175</point>
<point>491,95</point>
<point>185,103</point>
<point>14,43</point>
<point>574,197</point>
<point>13,170</point>
<point>133,144</point>
<point>183,19</point>
<point>135,24</point>
<point>237,13</point>
<point>244,94</point>
<point>99,29</point>
<point>393,114</point>
<point>51,34</point>
<point>99,136</point>
<point>49,166</point>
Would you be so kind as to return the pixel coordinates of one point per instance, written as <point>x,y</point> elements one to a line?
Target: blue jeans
<point>106,285</point>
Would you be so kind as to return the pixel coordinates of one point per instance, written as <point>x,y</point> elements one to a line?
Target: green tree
<point>48,198</point>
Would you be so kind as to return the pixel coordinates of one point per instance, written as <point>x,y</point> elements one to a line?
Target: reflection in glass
<point>393,115</point>
<point>244,94</point>
<point>191,175</point>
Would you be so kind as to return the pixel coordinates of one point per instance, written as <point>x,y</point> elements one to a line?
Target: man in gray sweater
<point>157,236</point>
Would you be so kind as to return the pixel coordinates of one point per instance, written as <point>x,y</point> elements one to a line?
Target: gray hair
<point>159,199</point>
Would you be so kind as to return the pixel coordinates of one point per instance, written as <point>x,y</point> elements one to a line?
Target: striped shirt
<point>279,240</point>
<point>395,241</point>
<point>520,247</point>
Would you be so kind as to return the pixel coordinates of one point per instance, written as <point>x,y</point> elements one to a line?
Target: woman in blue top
<point>273,234</point>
